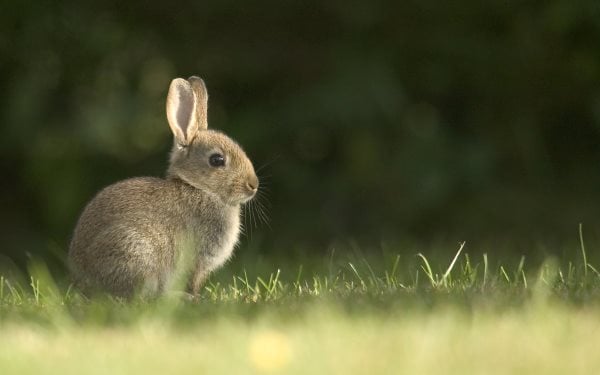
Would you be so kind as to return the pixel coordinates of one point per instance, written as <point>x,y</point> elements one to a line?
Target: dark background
<point>378,122</point>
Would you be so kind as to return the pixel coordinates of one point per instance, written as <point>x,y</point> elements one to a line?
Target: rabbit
<point>142,235</point>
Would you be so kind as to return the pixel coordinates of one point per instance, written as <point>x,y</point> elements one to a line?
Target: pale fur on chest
<point>227,242</point>
<point>214,240</point>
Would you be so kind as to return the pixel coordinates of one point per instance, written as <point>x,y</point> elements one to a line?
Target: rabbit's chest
<point>225,245</point>
<point>216,238</point>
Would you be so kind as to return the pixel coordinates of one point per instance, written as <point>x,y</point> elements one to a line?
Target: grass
<point>345,315</point>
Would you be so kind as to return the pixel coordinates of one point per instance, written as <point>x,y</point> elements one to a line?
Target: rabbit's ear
<point>201,101</point>
<point>181,111</point>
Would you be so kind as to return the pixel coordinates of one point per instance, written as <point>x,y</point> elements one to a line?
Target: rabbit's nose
<point>252,184</point>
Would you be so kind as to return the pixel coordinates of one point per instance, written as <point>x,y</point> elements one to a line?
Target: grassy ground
<point>351,316</point>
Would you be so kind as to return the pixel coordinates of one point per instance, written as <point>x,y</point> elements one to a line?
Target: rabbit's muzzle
<point>251,188</point>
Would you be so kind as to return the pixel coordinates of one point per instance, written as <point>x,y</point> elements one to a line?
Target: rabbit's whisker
<point>268,163</point>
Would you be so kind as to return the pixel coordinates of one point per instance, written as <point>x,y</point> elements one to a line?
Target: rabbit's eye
<point>216,160</point>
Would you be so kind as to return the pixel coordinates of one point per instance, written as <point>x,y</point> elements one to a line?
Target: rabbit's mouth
<point>249,190</point>
<point>248,196</point>
<point>240,197</point>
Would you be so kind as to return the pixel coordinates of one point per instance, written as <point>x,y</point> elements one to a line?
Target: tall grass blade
<point>451,266</point>
<point>583,253</point>
<point>428,271</point>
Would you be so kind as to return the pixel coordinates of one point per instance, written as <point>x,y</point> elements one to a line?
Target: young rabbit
<point>144,234</point>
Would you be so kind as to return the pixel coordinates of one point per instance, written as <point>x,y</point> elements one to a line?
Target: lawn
<point>352,315</point>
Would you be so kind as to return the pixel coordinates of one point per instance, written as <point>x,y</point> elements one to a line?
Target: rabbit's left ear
<point>181,111</point>
<point>201,93</point>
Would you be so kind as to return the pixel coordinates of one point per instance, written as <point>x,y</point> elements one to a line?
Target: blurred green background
<point>382,122</point>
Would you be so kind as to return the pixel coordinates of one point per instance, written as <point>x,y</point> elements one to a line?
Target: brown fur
<point>148,234</point>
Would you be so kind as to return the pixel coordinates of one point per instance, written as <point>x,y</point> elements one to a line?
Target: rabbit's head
<point>206,159</point>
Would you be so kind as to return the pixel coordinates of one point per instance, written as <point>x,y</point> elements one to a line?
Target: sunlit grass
<point>457,315</point>
<point>540,338</point>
